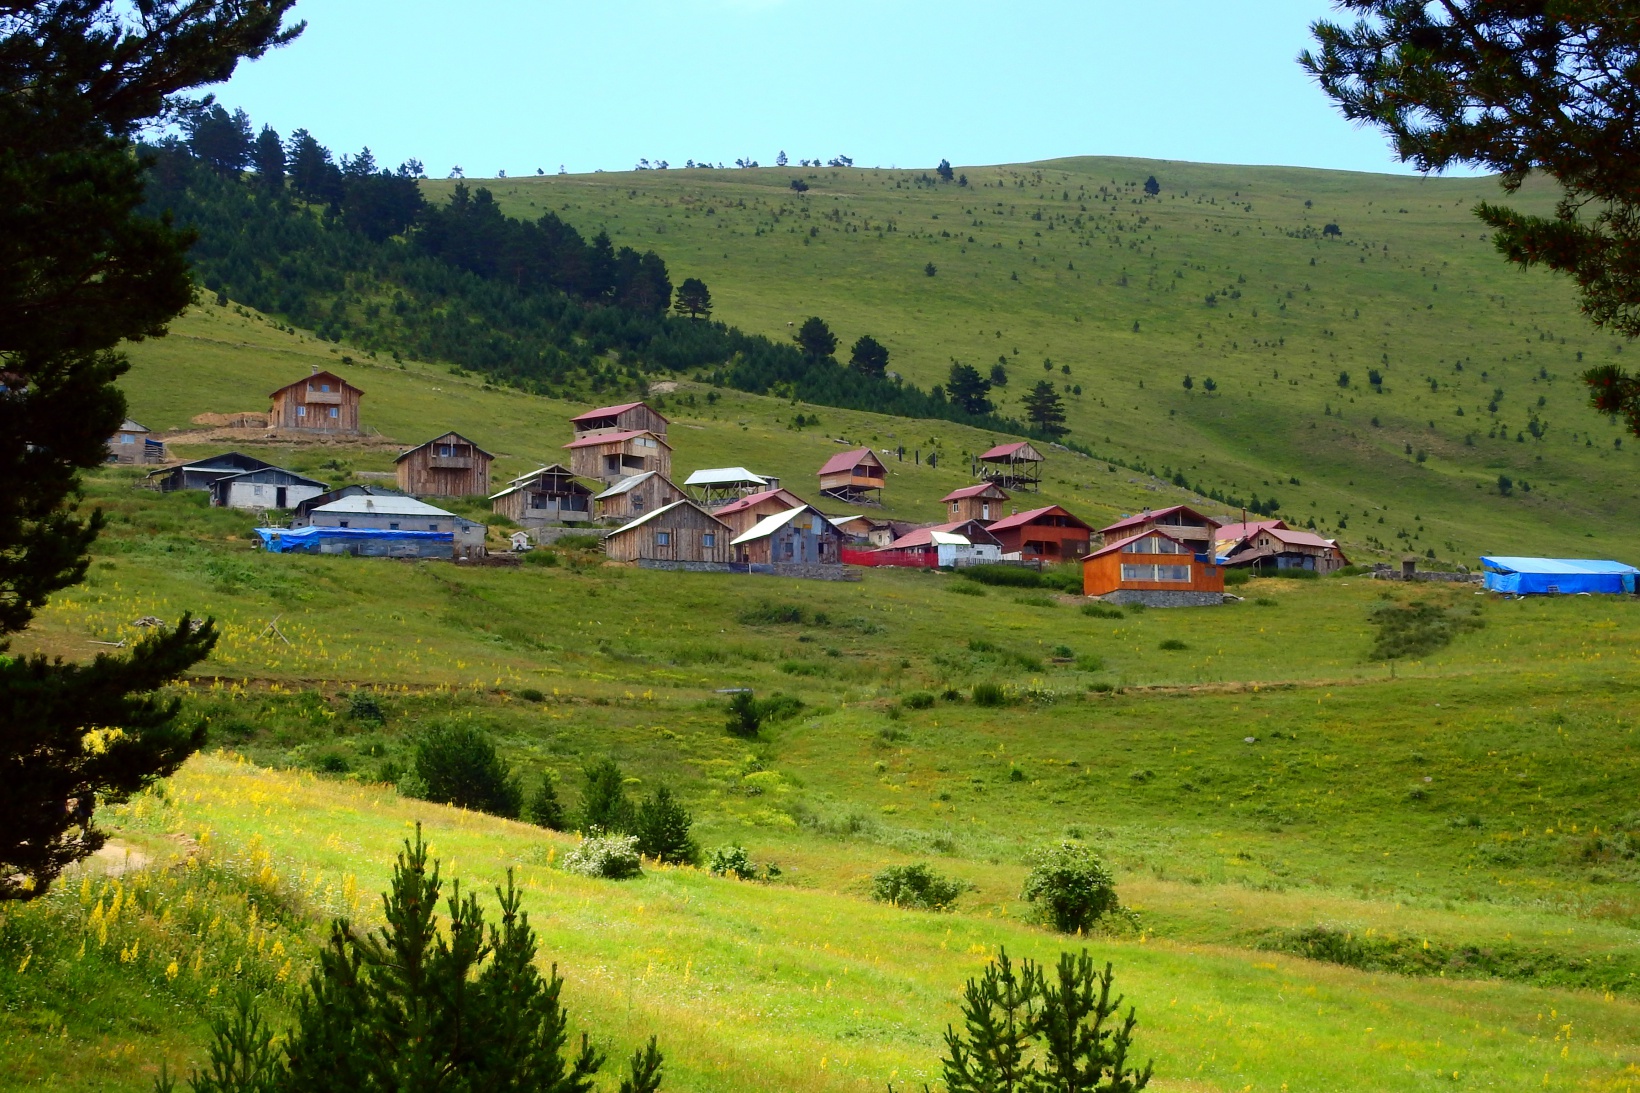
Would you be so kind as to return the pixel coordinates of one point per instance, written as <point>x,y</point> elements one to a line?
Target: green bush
<point>1418,628</point>
<point>531,694</point>
<point>916,886</point>
<point>1173,645</point>
<point>766,613</point>
<point>919,700</point>
<point>1070,886</point>
<point>963,588</point>
<point>541,557</point>
<point>458,765</point>
<point>364,706</point>
<point>1291,574</point>
<point>1036,601</point>
<point>731,861</point>
<point>744,716</point>
<point>1101,611</point>
<point>604,804</point>
<point>1234,578</point>
<point>662,829</point>
<point>1087,662</point>
<point>608,857</point>
<point>988,694</point>
<point>1265,601</point>
<point>1003,576</point>
<point>544,809</point>
<point>779,707</point>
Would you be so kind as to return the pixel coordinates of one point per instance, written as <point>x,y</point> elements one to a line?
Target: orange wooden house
<point>856,477</point>
<point>1156,568</point>
<point>1048,534</point>
<point>321,403</point>
<point>1180,521</point>
<point>982,502</point>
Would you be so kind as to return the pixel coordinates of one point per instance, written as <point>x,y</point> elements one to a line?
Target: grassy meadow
<point>1349,873</point>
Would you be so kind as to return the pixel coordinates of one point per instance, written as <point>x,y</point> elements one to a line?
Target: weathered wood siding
<point>683,534</point>
<point>652,493</point>
<point>450,466</point>
<point>323,403</point>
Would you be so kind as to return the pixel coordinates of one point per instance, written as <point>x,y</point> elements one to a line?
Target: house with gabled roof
<point>1049,534</point>
<point>199,474</point>
<point>610,457</point>
<point>627,417</point>
<point>547,495</point>
<point>322,403</point>
<point>631,497</point>
<point>984,502</point>
<point>800,536</point>
<point>681,532</point>
<point>134,443</point>
<point>1180,521</point>
<point>446,466</point>
<point>1154,567</point>
<point>856,477</point>
<point>742,514</point>
<point>265,488</point>
<point>1283,548</point>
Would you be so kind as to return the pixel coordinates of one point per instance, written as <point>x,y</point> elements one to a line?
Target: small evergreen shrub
<point>988,694</point>
<point>1070,886</point>
<point>744,717</point>
<point>458,765</point>
<point>1101,611</point>
<point>544,809</point>
<point>608,857</point>
<point>531,694</point>
<point>916,886</point>
<point>1173,645</point>
<point>365,707</point>
<point>662,829</point>
<point>604,804</point>
<point>919,700</point>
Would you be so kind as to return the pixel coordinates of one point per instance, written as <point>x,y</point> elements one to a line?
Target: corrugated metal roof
<point>129,426</point>
<point>613,438</point>
<point>1013,448</point>
<point>412,451</point>
<point>725,476</point>
<point>1238,532</point>
<point>625,485</point>
<point>757,499</point>
<point>1155,514</point>
<point>611,411</point>
<point>1026,517</point>
<point>1120,543</point>
<point>384,506</point>
<point>847,461</point>
<point>771,524</point>
<point>975,491</point>
<point>1298,538</point>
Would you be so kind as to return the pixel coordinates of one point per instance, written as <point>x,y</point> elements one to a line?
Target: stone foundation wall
<point>1160,598</point>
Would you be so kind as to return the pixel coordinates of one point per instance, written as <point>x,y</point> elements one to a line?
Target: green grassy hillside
<point>1068,261</point>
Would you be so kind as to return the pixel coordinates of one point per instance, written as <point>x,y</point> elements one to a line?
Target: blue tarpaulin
<point>1557,576</point>
<point>315,540</point>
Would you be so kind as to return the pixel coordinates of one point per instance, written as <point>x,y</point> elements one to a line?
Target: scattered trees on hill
<point>458,765</point>
<point>1045,409</point>
<point>800,186</point>
<point>999,373</point>
<point>418,1005</point>
<point>83,271</point>
<point>869,357</point>
<point>220,139</point>
<point>694,299</point>
<point>1517,89</point>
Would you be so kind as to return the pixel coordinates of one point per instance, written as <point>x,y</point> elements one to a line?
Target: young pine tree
<point>604,803</point>
<point>544,808</point>
<point>662,826</point>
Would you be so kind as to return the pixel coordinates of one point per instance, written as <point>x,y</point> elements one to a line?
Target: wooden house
<point>628,417</point>
<point>1049,534</point>
<point>611,456</point>
<point>446,466</point>
<point>265,488</point>
<point>680,532</point>
<point>134,444</point>
<point>1153,567</point>
<point>1013,466</point>
<point>799,536</point>
<point>321,403</point>
<point>199,474</point>
<point>1179,521</point>
<point>630,498</point>
<point>858,528</point>
<point>856,477</point>
<point>1280,547</point>
<point>715,486</point>
<point>550,495</point>
<point>741,515</point>
<point>982,502</point>
<point>958,543</point>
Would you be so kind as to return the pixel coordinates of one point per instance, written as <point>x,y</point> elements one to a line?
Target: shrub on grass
<point>919,700</point>
<point>1071,887</point>
<point>1003,576</point>
<point>1265,601</point>
<point>766,613</point>
<point>1234,578</point>
<point>1173,645</point>
<point>604,804</point>
<point>731,861</point>
<point>1088,662</point>
<point>547,558</point>
<point>1027,1030</point>
<point>1417,629</point>
<point>365,707</point>
<point>531,694</point>
<point>1036,601</point>
<point>916,886</point>
<point>544,809</point>
<point>963,588</point>
<point>608,857</point>
<point>348,1032</point>
<point>662,829</point>
<point>1101,611</point>
<point>744,716</point>
<point>458,765</point>
<point>988,694</point>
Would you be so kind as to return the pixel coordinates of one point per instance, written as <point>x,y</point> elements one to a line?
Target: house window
<point>127,438</point>
<point>1180,573</point>
<point>393,527</point>
<point>301,411</point>
<point>954,505</point>
<point>984,510</point>
<point>708,539</point>
<point>663,538</point>
<point>788,550</point>
<point>335,411</point>
<point>432,527</point>
<point>324,387</point>
<point>341,523</point>
<point>256,491</point>
<point>637,502</point>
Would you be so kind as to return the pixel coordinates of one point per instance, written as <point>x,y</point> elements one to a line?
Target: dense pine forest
<point>354,251</point>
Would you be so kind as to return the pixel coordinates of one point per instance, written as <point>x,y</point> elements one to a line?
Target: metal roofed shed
<point>361,542</point>
<point>714,486</point>
<point>1558,576</point>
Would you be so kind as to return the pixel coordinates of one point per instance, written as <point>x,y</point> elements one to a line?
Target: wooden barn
<point>265,488</point>
<point>856,477</point>
<point>799,536</point>
<point>1014,466</point>
<point>741,515</point>
<point>1179,521</point>
<point>982,502</point>
<point>134,444</point>
<point>610,457</point>
<point>199,474</point>
<point>1153,567</point>
<point>628,417</point>
<point>1049,534</point>
<point>446,466</point>
<point>680,532</point>
<point>630,498</point>
<point>550,495</point>
<point>322,403</point>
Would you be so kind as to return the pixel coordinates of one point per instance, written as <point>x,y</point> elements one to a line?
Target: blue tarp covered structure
<point>371,541</point>
<point>1557,576</point>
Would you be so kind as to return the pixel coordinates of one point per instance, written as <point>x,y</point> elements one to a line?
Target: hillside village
<point>619,484</point>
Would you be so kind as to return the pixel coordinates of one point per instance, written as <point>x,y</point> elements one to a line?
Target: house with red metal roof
<point>1048,534</point>
<point>628,417</point>
<point>742,514</point>
<point>982,502</point>
<point>611,457</point>
<point>1179,521</point>
<point>1284,548</point>
<point>1013,466</point>
<point>856,477</point>
<point>1154,567</point>
<point>961,542</point>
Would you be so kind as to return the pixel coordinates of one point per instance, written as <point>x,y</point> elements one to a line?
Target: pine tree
<point>544,809</point>
<point>268,158</point>
<point>815,338</point>
<point>1045,409</point>
<point>869,357</point>
<point>604,803</point>
<point>81,273</point>
<point>966,387</point>
<point>999,1011</point>
<point>694,300</point>
<point>662,827</point>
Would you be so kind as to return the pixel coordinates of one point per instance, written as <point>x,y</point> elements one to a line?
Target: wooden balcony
<point>450,462</point>
<point>322,398</point>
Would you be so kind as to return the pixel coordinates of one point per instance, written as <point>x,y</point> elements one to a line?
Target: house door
<point>279,498</point>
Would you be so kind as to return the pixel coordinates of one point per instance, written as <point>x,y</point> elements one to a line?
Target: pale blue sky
<point>519,84</point>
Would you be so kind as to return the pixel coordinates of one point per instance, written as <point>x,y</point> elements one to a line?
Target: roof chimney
<point>315,370</point>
